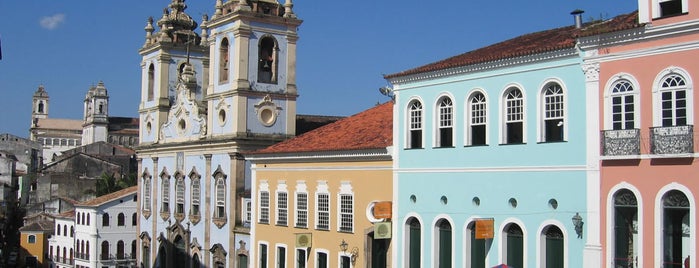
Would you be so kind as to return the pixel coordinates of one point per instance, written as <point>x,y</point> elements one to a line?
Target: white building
<point>61,253</point>
<point>105,230</point>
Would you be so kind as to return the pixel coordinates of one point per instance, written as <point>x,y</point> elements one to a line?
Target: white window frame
<point>195,184</point>
<point>610,220</point>
<point>165,193</point>
<point>322,189</point>
<point>345,191</point>
<point>220,196</point>
<point>301,208</point>
<point>543,110</point>
<point>276,255</point>
<point>147,188</point>
<point>180,193</point>
<point>282,206</point>
<point>296,257</point>
<point>259,252</point>
<point>415,125</point>
<point>317,253</point>
<point>264,204</point>
<point>502,248</point>
<point>609,95</point>
<point>435,239</point>
<point>504,113</point>
<point>657,92</point>
<point>469,117</point>
<point>441,123</point>
<point>658,220</point>
<point>541,243</point>
<point>656,7</point>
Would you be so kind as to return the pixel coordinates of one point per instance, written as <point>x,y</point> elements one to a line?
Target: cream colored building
<point>314,196</point>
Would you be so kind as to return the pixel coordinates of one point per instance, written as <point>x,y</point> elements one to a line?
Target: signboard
<point>382,210</point>
<point>484,228</point>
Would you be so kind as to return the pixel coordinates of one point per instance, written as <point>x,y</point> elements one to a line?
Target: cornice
<point>251,16</point>
<point>334,156</point>
<point>491,65</point>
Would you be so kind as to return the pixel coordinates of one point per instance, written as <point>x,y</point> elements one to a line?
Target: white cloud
<point>52,22</point>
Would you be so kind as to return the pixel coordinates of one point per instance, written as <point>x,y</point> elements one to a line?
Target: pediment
<point>186,119</point>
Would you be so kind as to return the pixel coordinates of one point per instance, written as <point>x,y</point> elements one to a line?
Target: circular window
<point>553,203</point>
<point>476,201</point>
<point>444,200</point>
<point>513,202</point>
<point>267,116</point>
<point>222,116</point>
<point>413,198</point>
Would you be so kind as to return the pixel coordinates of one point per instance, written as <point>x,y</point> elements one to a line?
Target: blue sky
<point>345,47</point>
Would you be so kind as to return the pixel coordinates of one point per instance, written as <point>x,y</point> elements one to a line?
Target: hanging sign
<point>484,228</point>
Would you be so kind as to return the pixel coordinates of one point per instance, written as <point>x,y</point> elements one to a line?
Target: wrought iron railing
<point>672,140</point>
<point>621,142</point>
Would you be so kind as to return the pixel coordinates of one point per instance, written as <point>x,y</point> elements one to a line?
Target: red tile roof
<point>529,44</point>
<point>109,197</point>
<point>370,129</point>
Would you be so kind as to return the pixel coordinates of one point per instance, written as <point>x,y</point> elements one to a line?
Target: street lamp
<point>578,223</point>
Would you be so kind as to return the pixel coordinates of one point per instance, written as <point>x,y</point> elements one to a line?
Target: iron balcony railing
<point>672,140</point>
<point>621,142</point>
<point>63,260</point>
<point>82,256</point>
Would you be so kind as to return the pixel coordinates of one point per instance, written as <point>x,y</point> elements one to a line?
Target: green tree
<point>108,183</point>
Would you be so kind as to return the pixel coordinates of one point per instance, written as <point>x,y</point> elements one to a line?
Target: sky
<point>345,47</point>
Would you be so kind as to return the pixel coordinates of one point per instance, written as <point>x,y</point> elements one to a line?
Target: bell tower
<point>166,52</point>
<point>96,114</point>
<point>40,104</point>
<point>253,48</point>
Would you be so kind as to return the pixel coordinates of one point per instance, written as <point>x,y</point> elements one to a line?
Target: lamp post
<point>578,224</point>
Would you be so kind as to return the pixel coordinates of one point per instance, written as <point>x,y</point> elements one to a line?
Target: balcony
<point>63,260</point>
<point>672,140</point>
<point>623,142</point>
<point>82,256</point>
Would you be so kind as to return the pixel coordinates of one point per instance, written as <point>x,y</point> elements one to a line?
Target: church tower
<point>165,54</point>
<point>253,48</point>
<point>95,114</point>
<point>40,104</point>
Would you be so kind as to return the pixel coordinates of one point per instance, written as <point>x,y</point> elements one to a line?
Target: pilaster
<point>592,254</point>
<point>207,211</point>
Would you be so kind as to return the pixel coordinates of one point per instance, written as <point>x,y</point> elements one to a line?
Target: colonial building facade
<point>206,98</point>
<point>494,158</point>
<point>643,77</point>
<point>314,196</point>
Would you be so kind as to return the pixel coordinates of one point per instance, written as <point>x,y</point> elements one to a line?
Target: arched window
<point>165,194</point>
<point>151,82</point>
<point>267,61</point>
<point>65,230</point>
<point>180,251</point>
<point>196,195</point>
<point>623,109</point>
<point>134,219</point>
<point>105,219</point>
<point>179,195</point>
<point>676,228</point>
<point>475,248</point>
<point>120,250</point>
<point>88,219</point>
<point>673,101</point>
<point>346,199</point>
<point>197,264</point>
<point>443,244</point>
<point>133,249</point>
<point>104,254</point>
<point>445,127</point>
<point>414,125</point>
<point>554,113</point>
<point>31,239</point>
<point>220,198</point>
<point>513,245</point>
<point>41,107</point>
<point>121,219</point>
<point>477,119</point>
<point>146,193</point>
<point>58,229</point>
<point>414,241</point>
<point>224,61</point>
<point>625,234</point>
<point>553,247</point>
<point>72,231</point>
<point>514,116</point>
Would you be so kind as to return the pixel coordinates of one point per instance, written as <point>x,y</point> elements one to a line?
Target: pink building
<point>649,168</point>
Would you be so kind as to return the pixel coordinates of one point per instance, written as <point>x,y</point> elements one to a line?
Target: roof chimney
<point>577,14</point>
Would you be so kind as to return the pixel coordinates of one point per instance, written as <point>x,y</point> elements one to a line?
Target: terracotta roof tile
<point>370,129</point>
<point>529,44</point>
<point>109,197</point>
<point>66,124</point>
<point>40,226</point>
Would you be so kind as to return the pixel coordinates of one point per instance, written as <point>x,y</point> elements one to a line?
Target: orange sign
<point>382,210</point>
<point>484,228</point>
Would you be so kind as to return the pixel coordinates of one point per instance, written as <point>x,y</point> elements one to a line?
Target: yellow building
<point>313,196</point>
<point>34,244</point>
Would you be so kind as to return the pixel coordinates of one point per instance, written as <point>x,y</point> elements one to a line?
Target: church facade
<point>206,98</point>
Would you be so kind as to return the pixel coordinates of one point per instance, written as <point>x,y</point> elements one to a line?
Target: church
<point>208,96</point>
<point>57,135</point>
